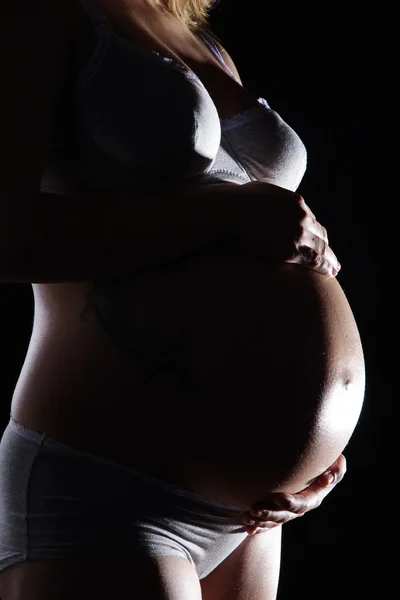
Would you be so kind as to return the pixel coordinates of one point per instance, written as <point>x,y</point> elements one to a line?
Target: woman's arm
<point>53,238</point>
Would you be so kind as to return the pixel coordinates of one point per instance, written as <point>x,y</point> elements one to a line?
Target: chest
<point>152,105</point>
<point>172,41</point>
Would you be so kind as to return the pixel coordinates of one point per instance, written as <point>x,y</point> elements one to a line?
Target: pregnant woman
<point>192,353</point>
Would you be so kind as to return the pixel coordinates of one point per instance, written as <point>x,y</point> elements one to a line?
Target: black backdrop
<point>329,81</point>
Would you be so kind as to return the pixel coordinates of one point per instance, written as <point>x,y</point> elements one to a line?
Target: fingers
<point>289,506</point>
<point>312,496</point>
<point>315,254</point>
<point>259,521</point>
<point>277,516</point>
<point>260,528</point>
<point>313,249</point>
<point>285,504</point>
<point>269,520</point>
<point>335,473</point>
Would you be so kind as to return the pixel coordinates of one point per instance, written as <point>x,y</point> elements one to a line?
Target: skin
<point>323,260</point>
<point>280,508</point>
<point>290,506</point>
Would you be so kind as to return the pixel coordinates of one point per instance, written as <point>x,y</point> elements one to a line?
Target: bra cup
<point>175,134</point>
<point>268,149</point>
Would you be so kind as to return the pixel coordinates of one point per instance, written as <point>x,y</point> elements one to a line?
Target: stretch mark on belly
<point>114,301</point>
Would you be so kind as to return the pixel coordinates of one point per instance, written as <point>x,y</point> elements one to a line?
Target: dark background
<point>328,78</point>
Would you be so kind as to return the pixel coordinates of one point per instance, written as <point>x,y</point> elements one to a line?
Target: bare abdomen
<point>276,375</point>
<point>238,376</point>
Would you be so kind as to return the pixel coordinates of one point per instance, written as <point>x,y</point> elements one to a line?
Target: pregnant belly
<point>268,370</point>
<point>239,376</point>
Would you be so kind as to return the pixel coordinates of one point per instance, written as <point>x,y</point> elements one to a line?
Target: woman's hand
<point>280,508</point>
<point>277,224</point>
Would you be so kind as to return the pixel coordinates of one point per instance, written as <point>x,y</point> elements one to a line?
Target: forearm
<point>57,238</point>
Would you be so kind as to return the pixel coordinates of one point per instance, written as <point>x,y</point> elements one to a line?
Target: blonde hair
<point>193,13</point>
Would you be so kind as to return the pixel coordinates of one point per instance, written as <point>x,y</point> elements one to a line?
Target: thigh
<point>251,571</point>
<point>158,578</point>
